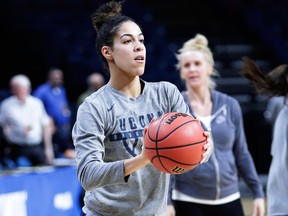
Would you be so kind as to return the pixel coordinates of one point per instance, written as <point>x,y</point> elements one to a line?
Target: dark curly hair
<point>106,21</point>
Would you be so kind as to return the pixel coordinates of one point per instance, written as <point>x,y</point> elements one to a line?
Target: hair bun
<point>105,12</point>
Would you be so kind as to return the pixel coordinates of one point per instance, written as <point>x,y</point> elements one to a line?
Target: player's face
<point>195,69</point>
<point>129,52</point>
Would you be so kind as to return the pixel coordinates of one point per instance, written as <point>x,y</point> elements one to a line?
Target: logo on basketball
<point>175,116</point>
<point>179,169</point>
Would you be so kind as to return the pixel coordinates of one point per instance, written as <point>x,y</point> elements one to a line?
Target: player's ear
<point>106,52</point>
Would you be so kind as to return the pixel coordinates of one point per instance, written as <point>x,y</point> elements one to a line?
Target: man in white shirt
<point>26,125</point>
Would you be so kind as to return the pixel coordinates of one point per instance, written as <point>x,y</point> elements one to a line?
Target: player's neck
<point>130,88</point>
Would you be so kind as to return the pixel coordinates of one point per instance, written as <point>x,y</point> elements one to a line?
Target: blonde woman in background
<point>212,188</point>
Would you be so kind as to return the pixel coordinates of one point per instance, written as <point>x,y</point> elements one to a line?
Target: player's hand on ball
<point>143,152</point>
<point>207,147</point>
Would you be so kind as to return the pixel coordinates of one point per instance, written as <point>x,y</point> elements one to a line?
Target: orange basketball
<point>174,142</point>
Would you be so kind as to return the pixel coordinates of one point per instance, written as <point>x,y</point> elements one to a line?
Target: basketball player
<point>212,189</point>
<point>274,83</point>
<point>108,132</point>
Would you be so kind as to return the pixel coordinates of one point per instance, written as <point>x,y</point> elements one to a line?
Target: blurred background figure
<point>26,126</point>
<point>94,82</point>
<point>275,84</point>
<point>54,97</point>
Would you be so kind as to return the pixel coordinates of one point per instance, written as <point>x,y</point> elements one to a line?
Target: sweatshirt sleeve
<point>244,159</point>
<point>88,137</point>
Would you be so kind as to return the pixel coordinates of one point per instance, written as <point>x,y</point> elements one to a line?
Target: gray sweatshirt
<point>277,185</point>
<point>108,130</point>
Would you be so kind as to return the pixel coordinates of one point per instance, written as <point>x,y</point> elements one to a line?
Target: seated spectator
<point>26,125</point>
<point>53,95</point>
<point>94,82</point>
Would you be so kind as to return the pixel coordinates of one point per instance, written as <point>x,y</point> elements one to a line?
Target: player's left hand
<point>208,147</point>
